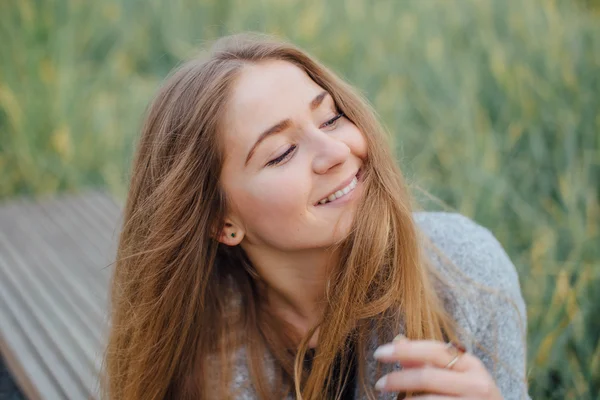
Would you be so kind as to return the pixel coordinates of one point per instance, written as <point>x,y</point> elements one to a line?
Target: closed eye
<point>282,157</point>
<point>332,121</point>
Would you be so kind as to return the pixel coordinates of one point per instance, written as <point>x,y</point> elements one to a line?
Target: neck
<point>295,283</point>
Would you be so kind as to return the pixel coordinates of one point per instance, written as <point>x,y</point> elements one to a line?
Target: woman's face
<point>287,149</point>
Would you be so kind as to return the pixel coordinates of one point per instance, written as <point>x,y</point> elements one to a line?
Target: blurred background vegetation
<point>494,106</point>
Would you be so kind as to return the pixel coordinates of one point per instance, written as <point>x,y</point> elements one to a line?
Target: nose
<point>330,153</point>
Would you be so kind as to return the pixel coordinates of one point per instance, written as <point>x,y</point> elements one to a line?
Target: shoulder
<point>482,292</point>
<point>470,247</point>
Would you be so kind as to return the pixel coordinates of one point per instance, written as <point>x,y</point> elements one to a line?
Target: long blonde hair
<point>183,304</point>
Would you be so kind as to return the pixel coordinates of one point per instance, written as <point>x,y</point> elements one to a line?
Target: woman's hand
<point>424,370</point>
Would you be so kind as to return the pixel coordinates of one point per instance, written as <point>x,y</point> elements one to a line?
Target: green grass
<point>493,106</point>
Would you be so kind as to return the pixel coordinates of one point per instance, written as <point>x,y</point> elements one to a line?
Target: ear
<point>231,235</point>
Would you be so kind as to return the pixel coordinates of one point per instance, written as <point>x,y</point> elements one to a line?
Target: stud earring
<point>233,234</point>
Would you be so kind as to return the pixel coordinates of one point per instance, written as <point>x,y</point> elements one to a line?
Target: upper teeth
<point>341,192</point>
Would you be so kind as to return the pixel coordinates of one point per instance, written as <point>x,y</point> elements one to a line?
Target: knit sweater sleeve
<point>487,296</point>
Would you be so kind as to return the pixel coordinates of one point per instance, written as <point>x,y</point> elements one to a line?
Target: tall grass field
<point>493,106</point>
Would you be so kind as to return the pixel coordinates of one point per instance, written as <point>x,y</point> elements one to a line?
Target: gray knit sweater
<point>486,303</point>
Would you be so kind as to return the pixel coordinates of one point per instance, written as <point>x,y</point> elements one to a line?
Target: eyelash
<point>282,157</point>
<point>334,119</point>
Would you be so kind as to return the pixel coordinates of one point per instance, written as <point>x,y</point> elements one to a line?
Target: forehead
<point>266,93</point>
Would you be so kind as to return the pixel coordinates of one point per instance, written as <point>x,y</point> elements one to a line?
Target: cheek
<point>272,198</point>
<point>357,143</point>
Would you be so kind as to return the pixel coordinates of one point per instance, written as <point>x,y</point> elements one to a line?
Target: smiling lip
<point>340,187</point>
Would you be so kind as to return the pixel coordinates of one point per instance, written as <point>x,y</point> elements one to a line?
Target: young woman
<point>270,250</point>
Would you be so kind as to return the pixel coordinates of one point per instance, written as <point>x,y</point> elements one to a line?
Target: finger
<point>427,379</point>
<point>422,352</point>
<point>413,364</point>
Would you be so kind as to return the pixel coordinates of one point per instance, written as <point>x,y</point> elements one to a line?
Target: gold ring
<point>457,351</point>
<point>452,362</point>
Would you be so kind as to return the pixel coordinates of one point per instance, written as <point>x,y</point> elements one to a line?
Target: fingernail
<point>381,383</point>
<point>399,337</point>
<point>386,350</point>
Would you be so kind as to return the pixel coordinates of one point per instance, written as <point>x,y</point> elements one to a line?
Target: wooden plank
<point>28,298</point>
<point>67,290</point>
<point>65,252</point>
<point>55,267</point>
<point>102,227</point>
<point>89,243</point>
<point>105,212</point>
<point>114,207</point>
<point>21,358</point>
<point>34,328</point>
<point>87,290</point>
<point>94,227</point>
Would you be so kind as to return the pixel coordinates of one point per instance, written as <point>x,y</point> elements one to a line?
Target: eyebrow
<point>284,124</point>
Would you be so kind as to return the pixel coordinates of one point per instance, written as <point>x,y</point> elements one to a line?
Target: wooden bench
<point>56,259</point>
